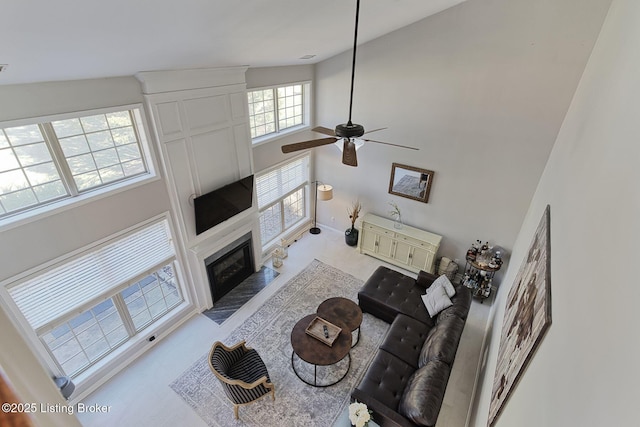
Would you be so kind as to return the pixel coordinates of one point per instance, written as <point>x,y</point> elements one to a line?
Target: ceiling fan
<point>349,131</point>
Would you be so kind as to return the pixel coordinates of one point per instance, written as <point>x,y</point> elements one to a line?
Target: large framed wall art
<point>527,317</point>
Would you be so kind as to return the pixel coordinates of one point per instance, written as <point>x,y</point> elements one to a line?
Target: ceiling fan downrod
<point>350,130</point>
<point>353,62</point>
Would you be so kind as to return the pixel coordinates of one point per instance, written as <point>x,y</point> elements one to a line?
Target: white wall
<point>275,76</point>
<point>39,99</point>
<point>585,371</point>
<point>481,89</point>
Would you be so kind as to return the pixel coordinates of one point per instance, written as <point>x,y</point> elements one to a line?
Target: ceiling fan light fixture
<point>357,142</point>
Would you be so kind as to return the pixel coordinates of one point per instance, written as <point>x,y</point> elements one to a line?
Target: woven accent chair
<point>241,372</point>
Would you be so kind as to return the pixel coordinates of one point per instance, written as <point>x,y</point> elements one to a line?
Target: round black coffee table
<point>317,353</point>
<point>340,309</point>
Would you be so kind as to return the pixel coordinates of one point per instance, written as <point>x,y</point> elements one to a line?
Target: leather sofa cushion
<point>405,339</point>
<point>386,379</point>
<point>442,342</point>
<point>460,304</point>
<point>387,293</point>
<point>425,279</point>
<point>423,395</point>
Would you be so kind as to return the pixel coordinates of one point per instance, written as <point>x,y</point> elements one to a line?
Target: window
<point>85,308</point>
<point>100,149</point>
<point>28,175</point>
<point>282,198</point>
<point>86,338</point>
<point>151,297</point>
<point>274,110</point>
<point>262,112</point>
<point>44,162</point>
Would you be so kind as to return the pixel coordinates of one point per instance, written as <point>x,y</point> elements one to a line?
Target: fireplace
<point>228,267</point>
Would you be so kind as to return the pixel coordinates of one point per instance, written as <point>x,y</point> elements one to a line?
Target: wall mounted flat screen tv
<point>219,205</point>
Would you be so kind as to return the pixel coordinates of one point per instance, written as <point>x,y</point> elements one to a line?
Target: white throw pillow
<point>436,300</point>
<point>443,282</point>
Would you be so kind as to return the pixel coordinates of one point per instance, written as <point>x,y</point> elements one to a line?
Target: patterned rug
<point>268,330</point>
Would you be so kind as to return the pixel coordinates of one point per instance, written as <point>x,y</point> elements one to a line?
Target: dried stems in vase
<point>354,212</point>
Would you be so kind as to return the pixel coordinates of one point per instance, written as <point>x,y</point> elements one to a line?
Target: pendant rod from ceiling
<point>353,64</point>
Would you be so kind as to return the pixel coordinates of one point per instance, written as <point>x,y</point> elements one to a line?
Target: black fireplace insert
<point>229,269</point>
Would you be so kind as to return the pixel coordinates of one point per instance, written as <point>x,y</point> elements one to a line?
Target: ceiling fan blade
<point>375,130</point>
<point>349,153</point>
<point>324,130</point>
<point>388,143</point>
<point>305,145</point>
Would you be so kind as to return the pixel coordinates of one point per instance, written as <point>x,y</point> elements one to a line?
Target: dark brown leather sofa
<point>406,382</point>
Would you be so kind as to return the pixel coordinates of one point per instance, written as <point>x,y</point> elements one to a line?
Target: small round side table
<point>344,310</point>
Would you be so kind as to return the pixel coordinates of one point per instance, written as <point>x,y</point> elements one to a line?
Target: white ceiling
<point>44,40</point>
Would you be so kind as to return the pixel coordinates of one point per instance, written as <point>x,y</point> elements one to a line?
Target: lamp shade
<point>325,192</point>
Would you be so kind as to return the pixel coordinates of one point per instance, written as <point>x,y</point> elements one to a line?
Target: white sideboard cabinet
<point>406,247</point>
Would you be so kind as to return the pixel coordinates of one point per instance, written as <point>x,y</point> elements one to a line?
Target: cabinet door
<point>403,252</point>
<point>421,259</point>
<point>385,245</point>
<point>368,240</point>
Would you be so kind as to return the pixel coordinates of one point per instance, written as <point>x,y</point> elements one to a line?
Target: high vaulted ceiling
<point>44,40</point>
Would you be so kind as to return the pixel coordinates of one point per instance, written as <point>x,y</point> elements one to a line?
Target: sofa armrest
<point>382,415</point>
<point>425,279</point>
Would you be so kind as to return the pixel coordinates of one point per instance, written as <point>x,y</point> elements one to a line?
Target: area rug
<point>240,295</point>
<point>268,330</point>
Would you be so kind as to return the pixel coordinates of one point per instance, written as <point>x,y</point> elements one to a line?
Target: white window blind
<point>67,287</point>
<point>277,183</point>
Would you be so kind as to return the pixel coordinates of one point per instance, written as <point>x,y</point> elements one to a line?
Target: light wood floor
<point>140,395</point>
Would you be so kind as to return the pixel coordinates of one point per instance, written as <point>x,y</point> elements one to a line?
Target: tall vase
<point>397,222</point>
<point>351,236</point>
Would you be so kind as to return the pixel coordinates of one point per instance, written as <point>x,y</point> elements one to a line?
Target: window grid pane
<point>294,208</point>
<point>262,119</point>
<point>28,175</point>
<point>100,149</point>
<point>152,297</point>
<point>270,223</point>
<point>86,338</point>
<point>289,106</point>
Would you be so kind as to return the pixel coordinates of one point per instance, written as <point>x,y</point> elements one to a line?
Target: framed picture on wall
<point>410,182</point>
<point>527,317</point>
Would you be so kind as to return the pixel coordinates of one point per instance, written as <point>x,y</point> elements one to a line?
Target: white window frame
<point>93,373</point>
<point>306,112</point>
<point>74,199</point>
<point>123,312</point>
<point>267,245</point>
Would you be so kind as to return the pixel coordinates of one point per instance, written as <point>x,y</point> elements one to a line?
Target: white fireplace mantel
<point>200,123</point>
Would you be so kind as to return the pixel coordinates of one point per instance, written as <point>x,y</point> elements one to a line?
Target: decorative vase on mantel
<point>351,236</point>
